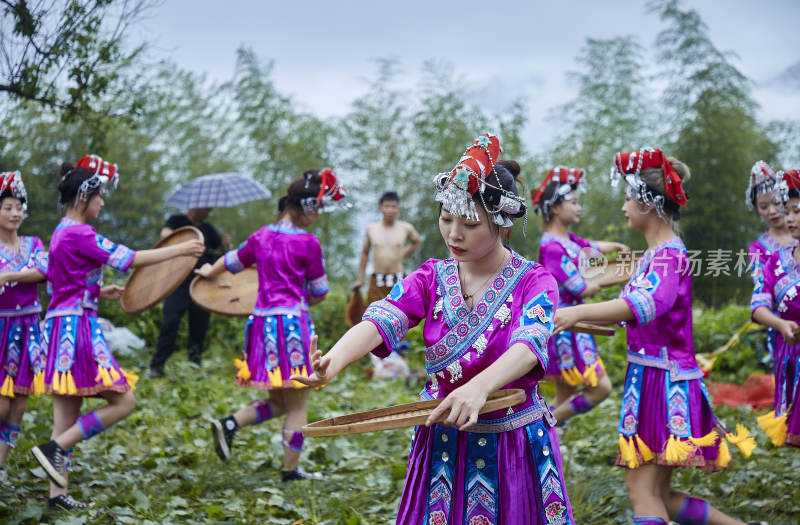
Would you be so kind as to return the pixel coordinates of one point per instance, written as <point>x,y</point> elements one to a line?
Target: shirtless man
<point>391,241</point>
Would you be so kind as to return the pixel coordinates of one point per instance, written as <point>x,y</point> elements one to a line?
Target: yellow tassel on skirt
<point>627,452</point>
<point>706,441</point>
<point>131,378</point>
<point>644,450</point>
<point>38,383</point>
<point>297,371</point>
<point>774,427</point>
<point>275,378</point>
<point>723,455</point>
<point>678,451</point>
<point>590,374</point>
<point>104,376</point>
<point>8,387</point>
<point>244,371</point>
<point>571,376</point>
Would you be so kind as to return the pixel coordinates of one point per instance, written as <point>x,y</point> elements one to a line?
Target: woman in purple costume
<point>79,362</point>
<point>488,314</point>
<point>666,419</point>
<point>22,262</point>
<point>291,276</point>
<point>573,355</point>
<point>778,306</point>
<point>761,197</point>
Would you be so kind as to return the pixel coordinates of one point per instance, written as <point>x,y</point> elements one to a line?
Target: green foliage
<point>158,466</point>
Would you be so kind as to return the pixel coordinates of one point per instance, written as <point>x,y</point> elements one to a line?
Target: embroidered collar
<point>17,259</point>
<point>572,248</point>
<point>285,226</point>
<point>66,221</point>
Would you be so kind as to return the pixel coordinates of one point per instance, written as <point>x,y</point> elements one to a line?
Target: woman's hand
<point>111,292</point>
<point>565,319</point>
<point>319,364</point>
<point>204,271</point>
<point>790,332</point>
<point>195,248</point>
<point>464,404</point>
<point>591,290</point>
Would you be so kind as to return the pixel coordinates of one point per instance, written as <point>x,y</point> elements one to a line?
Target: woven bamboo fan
<point>228,293</point>
<point>399,416</point>
<point>594,329</point>
<point>148,285</point>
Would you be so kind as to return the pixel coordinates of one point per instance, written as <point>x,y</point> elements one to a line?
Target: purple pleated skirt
<point>657,407</point>
<point>275,348</point>
<point>787,389</point>
<point>76,352</point>
<point>20,347</point>
<point>512,477</point>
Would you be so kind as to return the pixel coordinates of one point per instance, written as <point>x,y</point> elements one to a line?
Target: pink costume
<point>21,352</point>
<point>278,332</point>
<point>79,362</point>
<point>507,468</point>
<point>573,355</point>
<point>666,415</point>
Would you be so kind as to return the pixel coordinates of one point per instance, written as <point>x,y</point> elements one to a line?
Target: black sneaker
<point>224,431</point>
<point>299,474</point>
<point>156,373</point>
<point>67,502</point>
<point>50,456</point>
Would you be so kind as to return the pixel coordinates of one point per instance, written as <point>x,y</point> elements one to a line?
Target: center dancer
<point>488,314</point>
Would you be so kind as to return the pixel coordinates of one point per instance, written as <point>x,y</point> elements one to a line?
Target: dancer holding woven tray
<point>666,419</point>
<point>573,356</point>
<point>761,196</point>
<point>291,276</point>
<point>488,314</point>
<point>777,305</point>
<point>79,363</point>
<point>23,263</point>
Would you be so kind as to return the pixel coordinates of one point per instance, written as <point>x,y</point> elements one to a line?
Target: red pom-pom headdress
<point>475,173</point>
<point>629,165</point>
<point>788,180</point>
<point>11,181</point>
<point>569,178</point>
<point>331,193</point>
<point>104,176</point>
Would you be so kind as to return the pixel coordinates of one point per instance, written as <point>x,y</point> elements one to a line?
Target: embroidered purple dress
<point>781,279</point>
<point>21,352</point>
<point>665,404</point>
<point>507,469</point>
<point>277,335</point>
<point>759,251</point>
<point>79,362</point>
<point>573,355</point>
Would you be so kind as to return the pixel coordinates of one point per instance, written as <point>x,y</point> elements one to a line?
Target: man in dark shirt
<point>179,301</point>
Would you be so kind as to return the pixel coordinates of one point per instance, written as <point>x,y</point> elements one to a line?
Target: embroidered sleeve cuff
<point>121,258</point>
<point>318,287</point>
<point>642,305</point>
<point>390,321</point>
<point>232,262</point>
<point>40,262</point>
<point>535,336</point>
<point>575,284</point>
<point>760,299</point>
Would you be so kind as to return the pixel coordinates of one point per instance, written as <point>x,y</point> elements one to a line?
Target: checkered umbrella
<point>218,190</point>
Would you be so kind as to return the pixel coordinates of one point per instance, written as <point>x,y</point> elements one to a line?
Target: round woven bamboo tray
<point>400,416</point>
<point>228,293</point>
<point>148,285</point>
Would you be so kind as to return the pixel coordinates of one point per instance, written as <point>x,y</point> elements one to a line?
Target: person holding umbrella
<point>199,197</point>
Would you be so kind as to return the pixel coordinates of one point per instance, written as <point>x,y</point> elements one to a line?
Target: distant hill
<point>788,80</point>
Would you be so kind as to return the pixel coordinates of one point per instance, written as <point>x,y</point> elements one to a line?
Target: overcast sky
<point>323,50</point>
